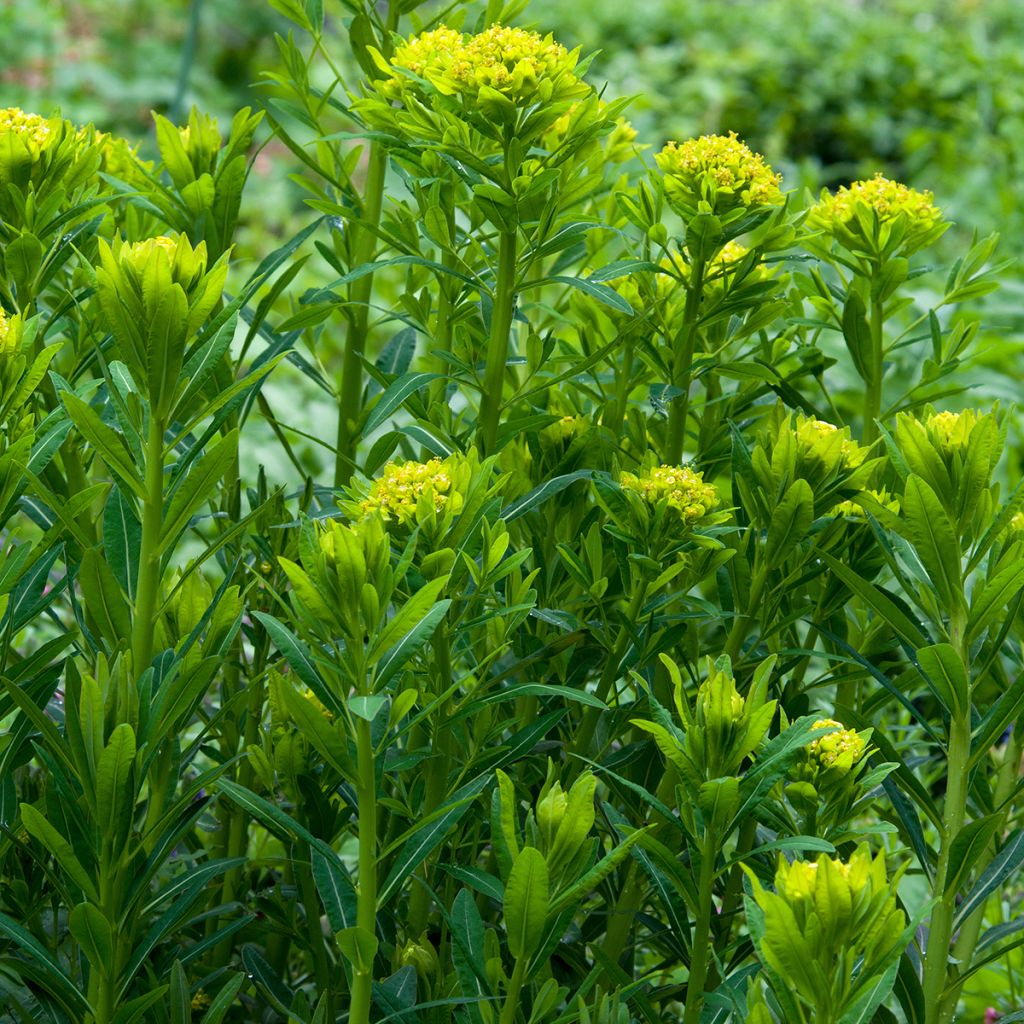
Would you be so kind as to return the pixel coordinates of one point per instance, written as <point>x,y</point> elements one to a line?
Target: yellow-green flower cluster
<point>853,509</point>
<point>683,489</point>
<point>397,493</point>
<point>6,331</point>
<point>1017,522</point>
<point>849,214</point>
<point>888,199</point>
<point>839,750</point>
<point>30,128</point>
<point>717,174</point>
<point>951,431</point>
<point>825,442</point>
<point>523,66</point>
<point>187,265</point>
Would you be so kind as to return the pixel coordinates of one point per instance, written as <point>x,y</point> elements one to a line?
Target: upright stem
<point>497,345</point>
<point>148,589</point>
<point>682,365</point>
<point>699,951</point>
<point>940,929</point>
<point>366,900</point>
<point>351,391</point>
<point>738,632</point>
<point>967,940</point>
<point>873,393</point>
<point>515,987</point>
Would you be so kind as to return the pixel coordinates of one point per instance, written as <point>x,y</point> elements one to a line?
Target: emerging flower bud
<point>550,812</point>
<point>836,751</point>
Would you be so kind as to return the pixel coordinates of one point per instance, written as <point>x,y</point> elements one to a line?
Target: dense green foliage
<point>566,577</point>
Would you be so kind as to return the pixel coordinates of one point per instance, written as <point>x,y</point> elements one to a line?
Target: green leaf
<point>468,954</point>
<point>790,523</point>
<point>298,658</point>
<point>526,902</point>
<point>92,931</point>
<point>931,532</point>
<point>1004,865</point>
<point>602,292</point>
<point>49,973</point>
<point>857,333</point>
<point>115,798</point>
<point>337,893</point>
<point>540,494</point>
<point>180,996</point>
<point>945,673</point>
<point>267,981</point>
<point>104,601</point>
<point>39,828</point>
<point>224,1000</point>
<point>967,846</point>
<point>395,396</point>
<point>122,539</point>
<point>107,442</point>
<point>993,597</point>
<point>197,486</point>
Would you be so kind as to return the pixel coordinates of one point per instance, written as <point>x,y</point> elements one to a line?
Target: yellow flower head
<point>825,442</point>
<point>717,174</point>
<point>951,430</point>
<point>397,493</point>
<point>30,128</point>
<point>200,1001</point>
<point>523,66</point>
<point>839,750</point>
<point>187,265</point>
<point>854,510</point>
<point>679,486</point>
<point>1017,522</point>
<point>840,214</point>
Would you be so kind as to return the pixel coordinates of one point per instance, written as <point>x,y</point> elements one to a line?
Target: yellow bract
<point>716,174</point>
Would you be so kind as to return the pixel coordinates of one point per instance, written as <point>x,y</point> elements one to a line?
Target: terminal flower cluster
<point>839,750</point>
<point>397,493</point>
<point>717,174</point>
<point>683,489</point>
<point>523,66</point>
<point>30,128</point>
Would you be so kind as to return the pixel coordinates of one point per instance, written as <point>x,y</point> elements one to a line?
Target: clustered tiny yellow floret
<point>853,508</point>
<point>713,167</point>
<point>512,61</point>
<point>396,493</point>
<point>30,127</point>
<point>952,429</point>
<point>840,749</point>
<point>1017,522</point>
<point>680,486</point>
<point>817,436</point>
<point>889,199</point>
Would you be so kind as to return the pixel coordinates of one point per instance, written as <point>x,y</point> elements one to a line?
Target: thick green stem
<point>967,940</point>
<point>699,951</point>
<point>366,900</point>
<point>497,345</point>
<point>873,392</point>
<point>682,365</point>
<point>941,925</point>
<point>515,987</point>
<point>623,914</point>
<point>350,393</point>
<point>616,409</point>
<point>148,588</point>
